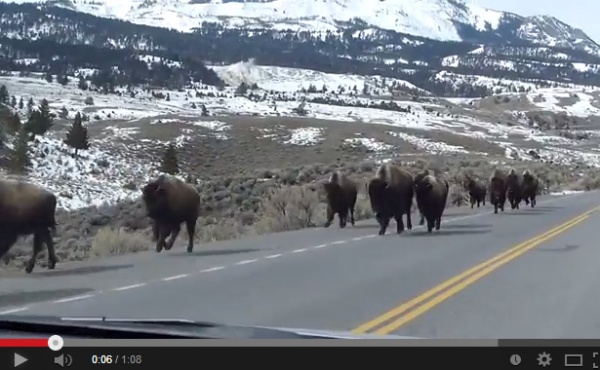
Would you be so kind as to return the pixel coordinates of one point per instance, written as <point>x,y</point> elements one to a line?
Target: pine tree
<point>21,103</point>
<point>77,137</point>
<point>40,120</point>
<point>49,77</point>
<point>13,101</point>
<point>169,162</point>
<point>3,95</point>
<point>30,105</point>
<point>19,156</point>
<point>82,84</point>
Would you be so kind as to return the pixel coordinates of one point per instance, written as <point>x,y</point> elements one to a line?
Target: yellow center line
<point>487,266</point>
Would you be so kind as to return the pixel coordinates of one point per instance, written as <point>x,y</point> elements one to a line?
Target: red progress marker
<point>24,342</point>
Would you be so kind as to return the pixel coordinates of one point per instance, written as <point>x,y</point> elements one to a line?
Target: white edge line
<point>246,262</point>
<point>76,298</point>
<point>127,287</point>
<point>213,269</point>
<point>274,255</point>
<point>299,250</point>
<point>320,246</point>
<point>339,242</point>
<point>14,310</point>
<point>175,277</point>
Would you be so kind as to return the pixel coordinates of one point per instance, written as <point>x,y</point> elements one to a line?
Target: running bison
<point>341,198</point>
<point>418,178</point>
<point>498,189</point>
<point>391,194</point>
<point>27,209</point>
<point>431,192</point>
<point>530,188</point>
<point>170,202</point>
<point>477,191</point>
<point>513,188</point>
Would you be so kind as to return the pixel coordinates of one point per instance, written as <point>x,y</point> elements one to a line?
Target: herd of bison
<point>28,209</point>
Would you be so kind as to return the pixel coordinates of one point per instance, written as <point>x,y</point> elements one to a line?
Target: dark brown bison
<point>418,177</point>
<point>530,188</point>
<point>431,192</point>
<point>169,202</point>
<point>513,188</point>
<point>391,194</point>
<point>341,198</point>
<point>498,189</point>
<point>477,191</point>
<point>27,209</point>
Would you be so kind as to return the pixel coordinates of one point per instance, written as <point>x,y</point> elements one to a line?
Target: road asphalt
<point>336,279</point>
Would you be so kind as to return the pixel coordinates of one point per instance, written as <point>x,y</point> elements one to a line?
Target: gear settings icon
<point>544,359</point>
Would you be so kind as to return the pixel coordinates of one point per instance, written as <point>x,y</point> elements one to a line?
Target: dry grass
<point>271,201</point>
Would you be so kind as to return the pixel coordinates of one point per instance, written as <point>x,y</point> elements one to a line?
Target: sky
<point>581,14</point>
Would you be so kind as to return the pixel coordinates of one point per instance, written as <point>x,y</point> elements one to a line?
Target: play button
<point>19,360</point>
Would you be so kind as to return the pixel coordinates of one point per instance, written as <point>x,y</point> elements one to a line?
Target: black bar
<point>83,358</point>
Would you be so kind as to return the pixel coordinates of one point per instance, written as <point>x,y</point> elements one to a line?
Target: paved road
<point>341,279</point>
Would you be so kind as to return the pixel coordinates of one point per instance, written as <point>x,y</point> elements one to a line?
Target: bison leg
<point>343,218</point>
<point>383,224</point>
<point>37,248</point>
<point>175,230</point>
<point>533,202</point>
<point>330,215</point>
<point>422,220</point>
<point>430,224</point>
<point>472,202</point>
<point>46,236</point>
<point>352,215</point>
<point>399,223</point>
<point>409,220</point>
<point>163,232</point>
<point>191,230</point>
<point>438,222</point>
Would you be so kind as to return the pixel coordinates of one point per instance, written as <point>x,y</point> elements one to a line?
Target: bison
<point>431,192</point>
<point>498,189</point>
<point>341,198</point>
<point>391,194</point>
<point>477,191</point>
<point>169,202</point>
<point>513,188</point>
<point>530,188</point>
<point>27,209</point>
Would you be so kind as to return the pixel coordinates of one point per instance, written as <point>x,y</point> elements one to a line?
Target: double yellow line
<point>408,311</point>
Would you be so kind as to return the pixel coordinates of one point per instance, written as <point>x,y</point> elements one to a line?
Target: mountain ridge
<point>453,20</point>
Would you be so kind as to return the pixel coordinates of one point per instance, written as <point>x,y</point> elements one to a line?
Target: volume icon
<point>63,360</point>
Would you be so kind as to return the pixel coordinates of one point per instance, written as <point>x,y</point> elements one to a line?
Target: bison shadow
<point>566,248</point>
<point>222,252</point>
<point>459,214</point>
<point>543,208</point>
<point>444,232</point>
<point>521,212</point>
<point>467,226</point>
<point>84,270</point>
<point>363,226</point>
<point>20,298</point>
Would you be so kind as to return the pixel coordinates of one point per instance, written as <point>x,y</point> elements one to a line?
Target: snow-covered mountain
<point>444,20</point>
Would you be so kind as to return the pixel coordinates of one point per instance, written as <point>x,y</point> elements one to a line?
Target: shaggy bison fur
<point>27,209</point>
<point>513,188</point>
<point>341,198</point>
<point>391,194</point>
<point>530,188</point>
<point>477,191</point>
<point>431,192</point>
<point>169,202</point>
<point>498,189</point>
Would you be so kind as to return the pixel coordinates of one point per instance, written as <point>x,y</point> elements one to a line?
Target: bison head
<point>154,196</point>
<point>425,185</point>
